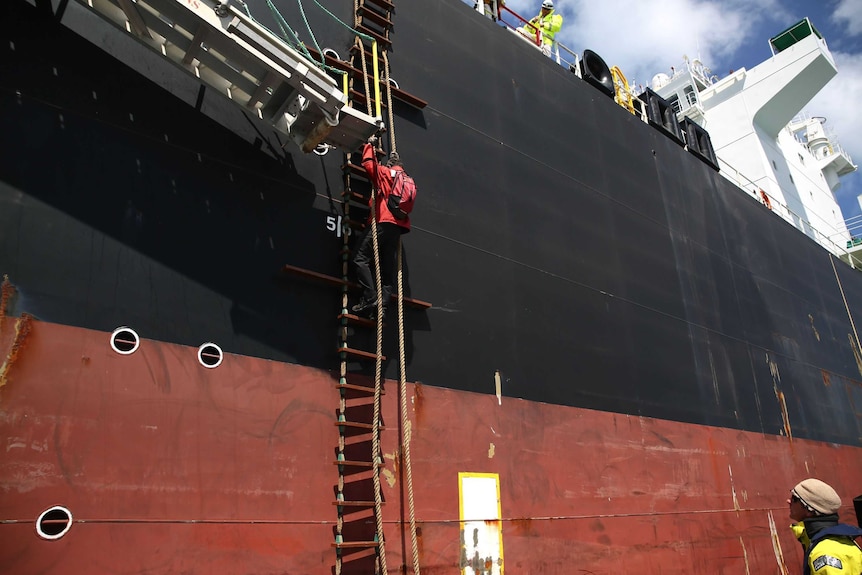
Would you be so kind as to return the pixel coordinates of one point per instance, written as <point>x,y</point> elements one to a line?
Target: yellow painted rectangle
<point>481,525</point>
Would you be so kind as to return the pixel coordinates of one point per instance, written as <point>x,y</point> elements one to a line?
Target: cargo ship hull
<point>171,469</point>
<point>643,357</point>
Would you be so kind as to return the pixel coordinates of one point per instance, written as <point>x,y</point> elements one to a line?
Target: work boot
<point>364,305</point>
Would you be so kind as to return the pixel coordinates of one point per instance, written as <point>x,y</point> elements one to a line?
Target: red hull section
<point>170,467</point>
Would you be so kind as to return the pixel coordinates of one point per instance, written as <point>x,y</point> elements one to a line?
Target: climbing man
<point>547,24</point>
<point>829,546</point>
<point>391,183</point>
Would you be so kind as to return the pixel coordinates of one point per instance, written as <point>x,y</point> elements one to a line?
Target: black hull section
<point>563,242</point>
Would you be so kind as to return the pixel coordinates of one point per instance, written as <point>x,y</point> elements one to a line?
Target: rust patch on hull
<point>779,395</point>
<point>813,328</point>
<point>22,330</point>
<point>7,290</point>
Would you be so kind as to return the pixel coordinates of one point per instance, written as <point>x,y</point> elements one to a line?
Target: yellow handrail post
<point>344,87</point>
<point>376,78</point>
<point>623,95</point>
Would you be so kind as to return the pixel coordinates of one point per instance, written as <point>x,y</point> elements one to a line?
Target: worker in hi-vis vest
<point>548,24</point>
<point>829,546</point>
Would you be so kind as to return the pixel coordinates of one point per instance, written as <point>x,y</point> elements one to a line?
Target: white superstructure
<point>787,160</point>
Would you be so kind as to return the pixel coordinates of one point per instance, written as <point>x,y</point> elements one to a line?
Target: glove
<point>546,25</point>
<point>373,140</point>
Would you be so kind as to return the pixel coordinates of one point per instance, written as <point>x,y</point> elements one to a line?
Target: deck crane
<point>232,53</point>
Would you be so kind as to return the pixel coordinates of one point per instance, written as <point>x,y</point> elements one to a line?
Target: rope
<point>392,146</point>
<point>405,420</point>
<point>287,33</point>
<point>378,382</point>
<point>402,361</point>
<point>364,74</point>
<point>365,37</point>
<point>282,24</point>
<point>847,307</point>
<point>310,31</point>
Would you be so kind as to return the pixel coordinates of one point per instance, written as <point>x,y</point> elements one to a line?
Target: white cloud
<point>848,13</point>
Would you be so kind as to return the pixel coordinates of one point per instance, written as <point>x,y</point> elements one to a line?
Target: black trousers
<point>387,243</point>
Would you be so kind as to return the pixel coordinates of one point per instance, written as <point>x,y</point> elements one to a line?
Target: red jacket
<point>382,178</point>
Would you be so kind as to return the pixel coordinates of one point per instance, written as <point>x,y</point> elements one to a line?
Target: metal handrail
<point>838,249</point>
<point>561,54</point>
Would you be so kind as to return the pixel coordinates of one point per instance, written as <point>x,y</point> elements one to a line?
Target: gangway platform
<point>230,52</point>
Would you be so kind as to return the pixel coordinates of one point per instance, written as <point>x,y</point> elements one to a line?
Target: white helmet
<point>548,4</point>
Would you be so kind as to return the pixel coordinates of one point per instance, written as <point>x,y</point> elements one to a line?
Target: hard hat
<point>548,4</point>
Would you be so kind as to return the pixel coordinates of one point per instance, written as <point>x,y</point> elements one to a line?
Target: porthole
<point>54,522</point>
<point>332,53</point>
<point>210,355</point>
<point>125,341</point>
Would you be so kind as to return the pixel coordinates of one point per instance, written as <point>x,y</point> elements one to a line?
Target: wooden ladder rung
<point>352,318</point>
<point>382,40</point>
<point>354,387</point>
<point>355,224</point>
<point>354,544</point>
<point>412,301</point>
<point>359,98</point>
<point>348,463</point>
<point>313,275</point>
<point>383,4</point>
<point>340,282</point>
<point>357,198</point>
<point>360,353</point>
<point>397,93</point>
<point>355,170</point>
<point>358,425</point>
<point>356,503</point>
<point>376,17</point>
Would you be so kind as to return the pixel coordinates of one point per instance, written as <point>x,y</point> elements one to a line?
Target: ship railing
<point>528,32</point>
<point>699,72</point>
<point>833,148</point>
<point>754,190</point>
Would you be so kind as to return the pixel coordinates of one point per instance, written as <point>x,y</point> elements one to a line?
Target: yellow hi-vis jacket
<point>549,26</point>
<point>833,555</point>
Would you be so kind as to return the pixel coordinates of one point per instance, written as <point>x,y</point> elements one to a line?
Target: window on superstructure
<point>791,179</point>
<point>690,96</point>
<point>801,159</point>
<point>774,165</point>
<point>674,104</point>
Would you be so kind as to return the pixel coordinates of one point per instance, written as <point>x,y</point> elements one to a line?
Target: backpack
<point>400,201</point>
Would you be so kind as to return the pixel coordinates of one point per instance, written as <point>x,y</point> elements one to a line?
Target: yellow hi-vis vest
<point>549,26</point>
<point>832,555</point>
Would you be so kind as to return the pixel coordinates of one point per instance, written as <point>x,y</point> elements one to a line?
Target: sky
<point>644,38</point>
